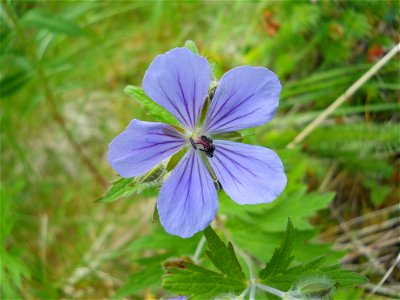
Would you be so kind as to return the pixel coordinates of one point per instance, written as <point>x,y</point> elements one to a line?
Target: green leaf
<point>278,274</point>
<point>148,277</point>
<point>191,46</point>
<point>120,188</point>
<point>281,258</point>
<point>13,83</point>
<point>200,283</point>
<point>223,257</point>
<point>152,108</point>
<point>53,23</point>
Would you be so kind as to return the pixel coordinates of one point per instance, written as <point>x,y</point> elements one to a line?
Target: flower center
<point>204,144</point>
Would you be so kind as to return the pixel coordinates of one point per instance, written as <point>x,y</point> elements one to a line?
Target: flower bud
<point>313,288</point>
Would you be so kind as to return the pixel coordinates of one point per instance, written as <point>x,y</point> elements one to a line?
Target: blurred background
<point>64,66</point>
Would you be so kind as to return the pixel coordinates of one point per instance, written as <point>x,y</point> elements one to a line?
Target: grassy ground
<point>63,69</point>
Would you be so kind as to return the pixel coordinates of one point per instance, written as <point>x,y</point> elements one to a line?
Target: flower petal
<point>248,174</point>
<point>142,146</point>
<point>188,200</point>
<point>245,97</point>
<point>178,80</point>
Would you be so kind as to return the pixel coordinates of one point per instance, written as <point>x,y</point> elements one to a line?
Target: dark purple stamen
<point>204,144</point>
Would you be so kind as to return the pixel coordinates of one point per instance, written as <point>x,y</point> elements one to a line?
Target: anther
<point>193,144</point>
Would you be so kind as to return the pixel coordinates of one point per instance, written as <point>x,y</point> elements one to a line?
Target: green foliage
<point>148,277</point>
<point>55,24</point>
<point>200,283</point>
<point>13,83</point>
<point>13,270</point>
<point>358,146</point>
<point>305,279</point>
<point>278,274</point>
<point>151,108</point>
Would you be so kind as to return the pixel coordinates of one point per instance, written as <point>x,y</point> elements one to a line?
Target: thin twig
<point>384,290</point>
<point>346,95</point>
<point>357,243</point>
<point>374,214</point>
<point>387,274</point>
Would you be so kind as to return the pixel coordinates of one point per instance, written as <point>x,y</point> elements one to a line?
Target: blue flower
<point>246,96</point>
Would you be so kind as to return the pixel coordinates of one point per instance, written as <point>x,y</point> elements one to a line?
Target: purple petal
<point>142,146</point>
<point>178,80</point>
<point>188,200</point>
<point>248,174</point>
<point>245,97</point>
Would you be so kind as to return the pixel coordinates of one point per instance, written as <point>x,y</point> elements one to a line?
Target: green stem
<point>51,99</point>
<point>199,248</point>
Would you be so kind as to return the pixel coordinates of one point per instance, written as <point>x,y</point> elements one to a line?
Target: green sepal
<point>155,216</point>
<point>153,175</point>
<point>175,159</point>
<point>120,188</point>
<point>124,187</point>
<point>152,108</point>
<point>204,111</point>
<point>189,44</point>
<point>232,136</point>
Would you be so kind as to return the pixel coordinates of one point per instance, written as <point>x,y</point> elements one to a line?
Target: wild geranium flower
<point>246,96</point>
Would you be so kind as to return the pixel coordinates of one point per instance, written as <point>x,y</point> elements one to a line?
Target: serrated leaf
<point>223,257</point>
<point>278,274</point>
<point>281,258</point>
<point>153,109</point>
<point>200,283</point>
<point>53,23</point>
